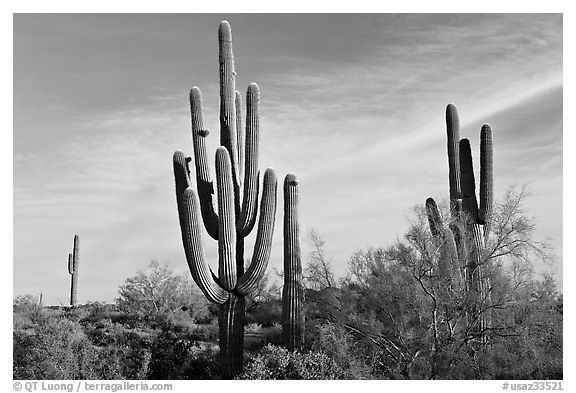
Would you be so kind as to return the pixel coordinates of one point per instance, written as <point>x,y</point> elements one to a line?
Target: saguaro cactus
<point>237,206</point>
<point>293,291</point>
<point>470,221</point>
<point>73,264</point>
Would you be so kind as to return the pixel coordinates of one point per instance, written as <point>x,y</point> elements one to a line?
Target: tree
<point>318,274</point>
<point>410,316</point>
<point>157,290</point>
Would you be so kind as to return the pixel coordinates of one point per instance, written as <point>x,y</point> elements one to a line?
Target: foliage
<point>318,273</point>
<point>400,316</point>
<point>392,317</point>
<point>180,356</point>
<point>157,290</point>
<point>57,348</point>
<point>278,363</point>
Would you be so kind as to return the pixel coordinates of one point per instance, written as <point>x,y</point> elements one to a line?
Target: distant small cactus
<point>73,264</point>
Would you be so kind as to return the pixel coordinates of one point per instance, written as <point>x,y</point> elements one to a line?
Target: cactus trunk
<point>293,291</point>
<point>231,323</point>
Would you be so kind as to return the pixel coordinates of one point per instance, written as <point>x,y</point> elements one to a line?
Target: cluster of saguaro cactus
<point>463,244</point>
<point>73,264</point>
<point>237,182</point>
<point>293,291</point>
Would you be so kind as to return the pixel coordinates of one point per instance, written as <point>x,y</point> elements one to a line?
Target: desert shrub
<point>56,349</point>
<point>27,312</point>
<point>25,304</point>
<point>178,355</point>
<point>339,345</point>
<point>274,334</point>
<point>202,364</point>
<point>253,328</point>
<point>52,346</point>
<point>278,363</point>
<point>158,290</point>
<point>266,314</point>
<point>205,333</point>
<point>128,319</point>
<point>97,311</point>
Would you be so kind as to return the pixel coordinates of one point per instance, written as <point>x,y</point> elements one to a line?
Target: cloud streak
<point>354,105</point>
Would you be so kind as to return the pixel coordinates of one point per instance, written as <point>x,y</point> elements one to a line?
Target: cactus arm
<point>247,283</point>
<point>70,264</point>
<point>444,240</point>
<point>226,223</point>
<point>203,181</point>
<point>468,185</point>
<point>228,137</point>
<point>240,137</point>
<point>453,133</point>
<point>195,255</point>
<point>251,175</point>
<point>191,236</point>
<point>293,291</point>
<point>486,178</point>
<point>434,219</point>
<point>182,180</point>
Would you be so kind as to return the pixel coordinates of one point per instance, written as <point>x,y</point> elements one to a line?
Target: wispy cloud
<point>355,109</point>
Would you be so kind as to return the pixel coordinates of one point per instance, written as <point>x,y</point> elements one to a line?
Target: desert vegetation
<point>391,316</point>
<point>455,297</point>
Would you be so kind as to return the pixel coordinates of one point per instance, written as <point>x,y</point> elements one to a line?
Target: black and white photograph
<point>287,196</point>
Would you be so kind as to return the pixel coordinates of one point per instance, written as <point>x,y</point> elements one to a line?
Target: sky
<point>354,105</point>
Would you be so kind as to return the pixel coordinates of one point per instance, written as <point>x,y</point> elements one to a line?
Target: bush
<point>278,363</point>
<point>205,333</point>
<point>49,345</point>
<point>178,355</point>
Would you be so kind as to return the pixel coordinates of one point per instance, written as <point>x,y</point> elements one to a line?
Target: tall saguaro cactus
<point>293,291</point>
<point>465,240</point>
<point>73,264</point>
<point>237,198</point>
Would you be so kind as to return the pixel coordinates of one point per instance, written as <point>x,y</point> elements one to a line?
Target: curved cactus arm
<point>247,217</point>
<point>70,264</point>
<point>195,256</point>
<point>226,223</point>
<point>434,219</point>
<point>228,137</point>
<point>468,185</point>
<point>486,178</point>
<point>182,180</point>
<point>203,181</point>
<point>247,283</point>
<point>444,239</point>
<point>240,137</point>
<point>453,133</point>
